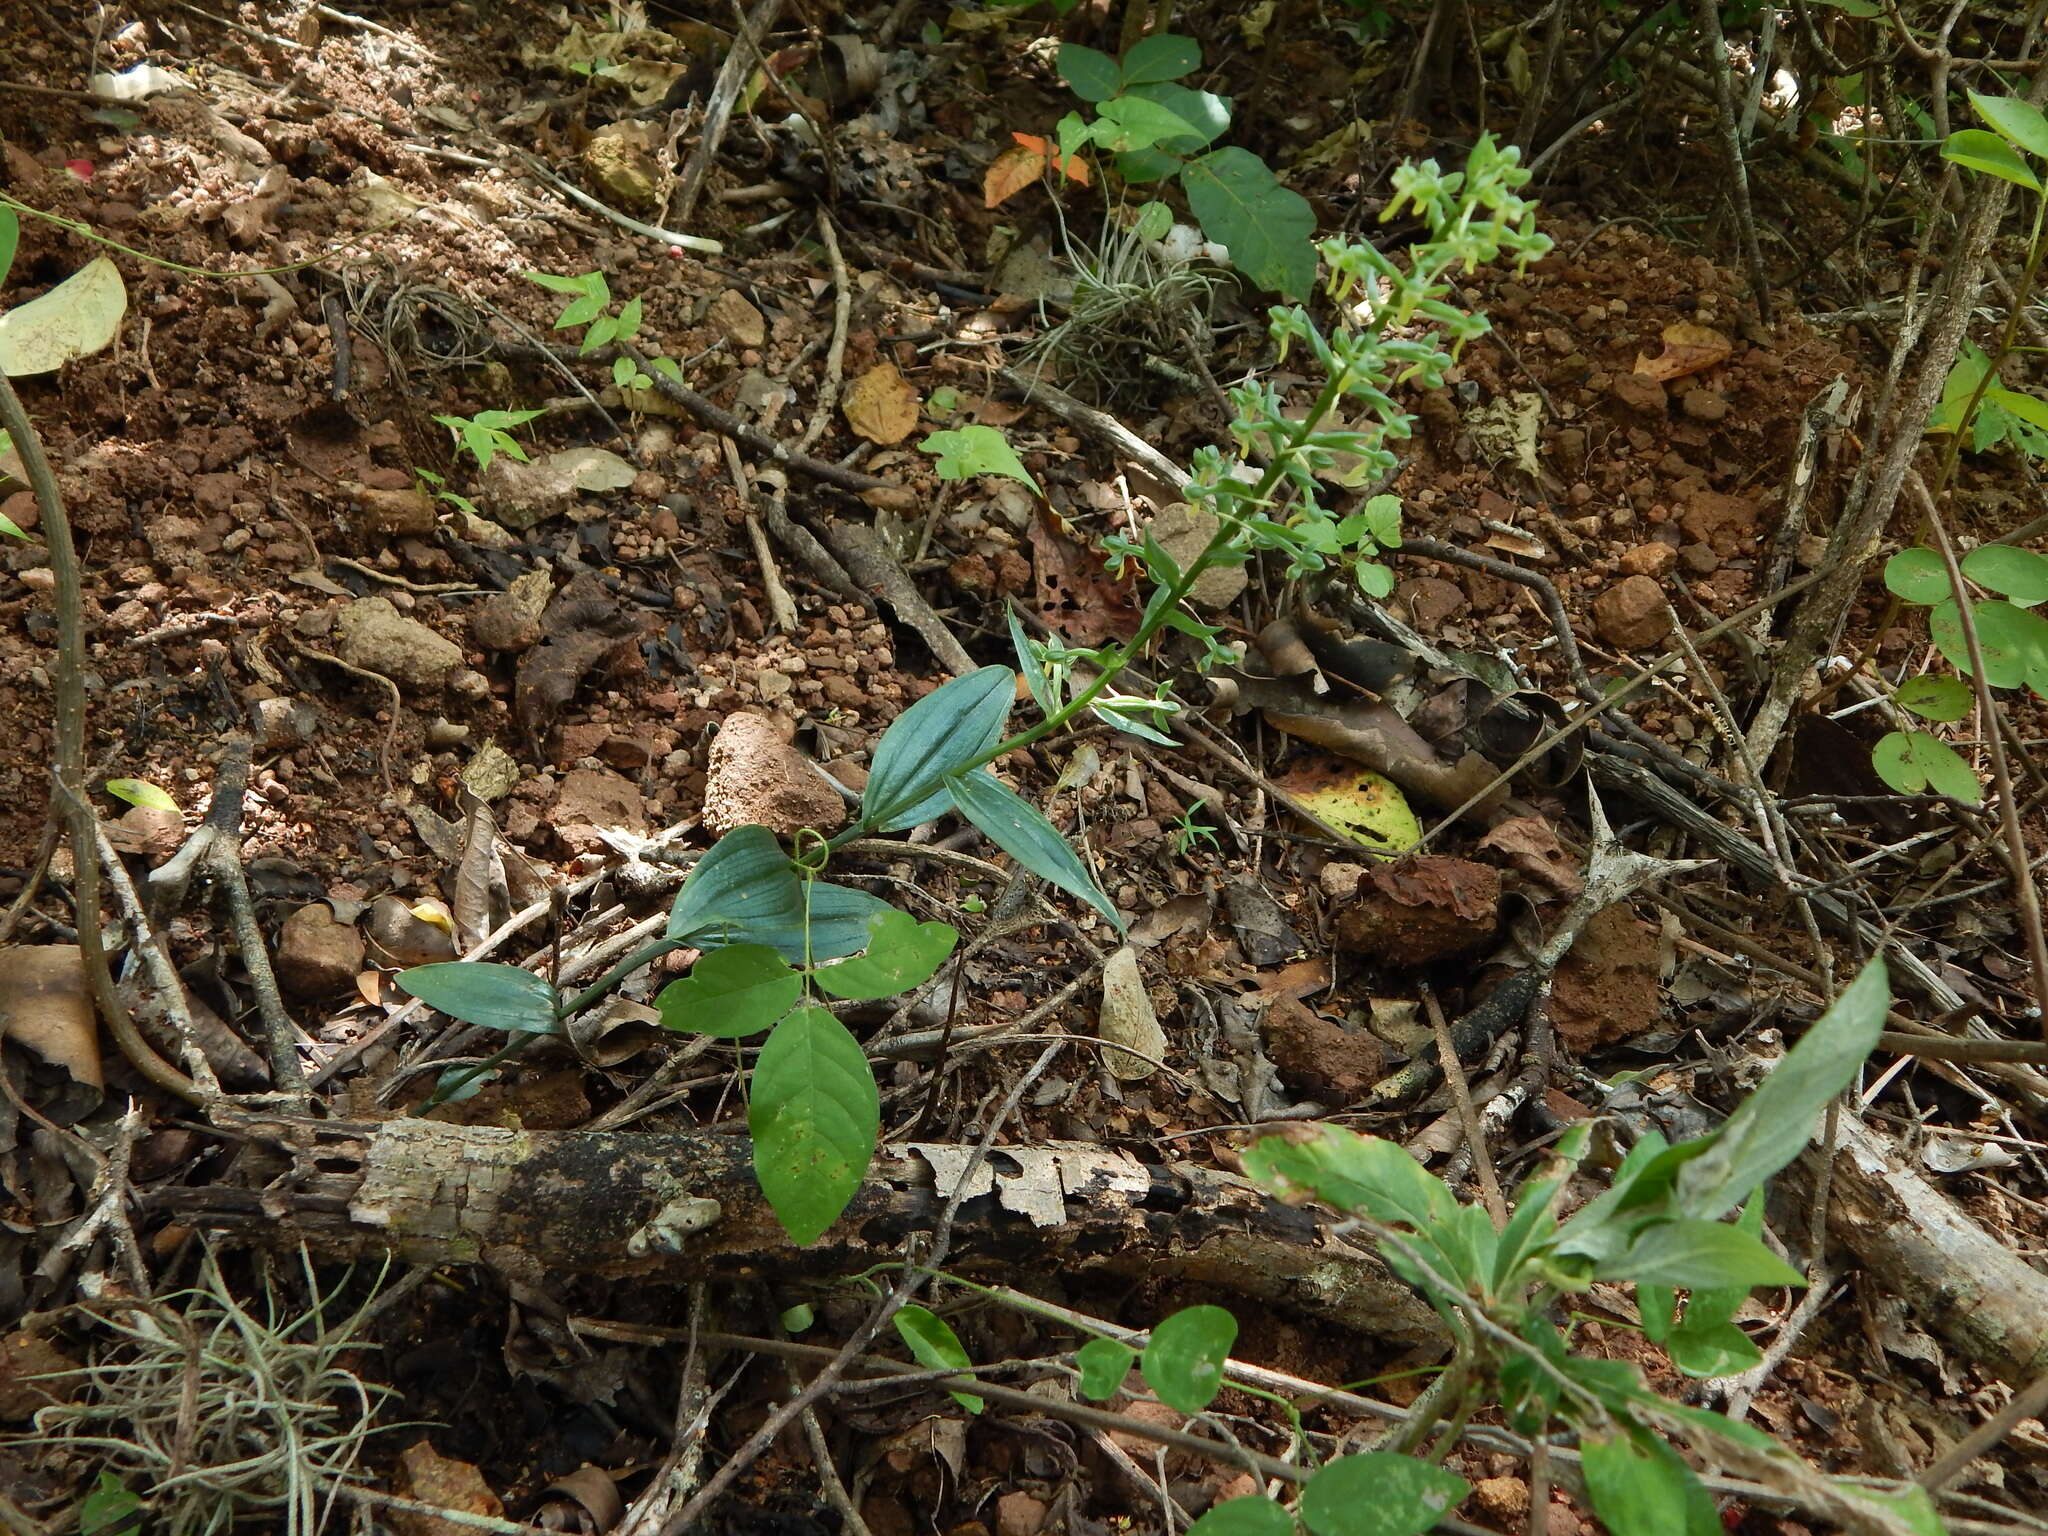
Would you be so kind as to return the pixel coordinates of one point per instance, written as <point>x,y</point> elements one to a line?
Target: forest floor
<point>245,471</point>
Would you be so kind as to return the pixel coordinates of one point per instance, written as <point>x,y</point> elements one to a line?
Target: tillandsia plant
<point>1978,409</point>
<point>773,933</point>
<point>1663,1225</point>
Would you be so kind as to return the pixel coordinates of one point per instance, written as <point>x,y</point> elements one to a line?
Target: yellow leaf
<point>1010,173</point>
<point>881,405</point>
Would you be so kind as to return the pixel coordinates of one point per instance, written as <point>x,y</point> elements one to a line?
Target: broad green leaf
<point>1701,1253</point>
<point>1090,75</point>
<point>10,238</point>
<point>78,317</point>
<point>1139,124</point>
<point>1354,1173</point>
<point>799,1317</point>
<point>1017,827</point>
<point>1251,1515</point>
<point>1206,116</point>
<point>1184,1361</point>
<point>595,299</point>
<point>1976,150</point>
<point>814,1117</point>
<point>933,739</point>
<point>1657,1306</point>
<point>623,371</point>
<point>1771,1127</point>
<point>1910,1507</point>
<point>2027,407</point>
<point>110,1509</point>
<point>730,993</point>
<point>1104,1363</point>
<point>481,992</point>
<point>745,891</point>
<point>1379,1493</point>
<point>936,1347</point>
<point>1268,228</point>
<point>2012,640</point>
<point>1640,1487</point>
<point>1153,222</point>
<point>901,954</point>
<point>2017,122</point>
<point>1960,388</point>
<point>976,450</point>
<point>141,792</point>
<point>1713,1349</point>
<point>1527,1230</point>
<point>1913,762</point>
<point>2012,572</point>
<point>1162,56</point>
<point>1935,696</point>
<point>1147,165</point>
<point>1917,575</point>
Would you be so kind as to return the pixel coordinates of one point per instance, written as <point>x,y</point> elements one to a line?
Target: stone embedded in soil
<point>1608,987</point>
<point>1631,614</point>
<point>1319,1057</point>
<point>510,620</point>
<point>596,797</point>
<point>756,778</point>
<point>377,637</point>
<point>317,955</point>
<point>1726,524</point>
<point>392,513</point>
<point>1652,559</point>
<point>1640,393</point>
<point>282,724</point>
<point>1417,911</point>
<point>1704,405</point>
<point>736,317</point>
<point>620,158</point>
<point>1020,1514</point>
<point>1184,533</point>
<point>524,495</point>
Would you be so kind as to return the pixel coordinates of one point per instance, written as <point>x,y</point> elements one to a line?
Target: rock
<point>742,323</point>
<point>1727,524</point>
<point>1019,1514</point>
<point>1504,1498</point>
<point>1420,910</point>
<point>1640,393</point>
<point>443,733</point>
<point>1128,1018</point>
<point>524,495</point>
<point>378,638</point>
<point>1631,614</point>
<point>21,510</point>
<point>598,797</point>
<point>1651,559</point>
<point>403,937</point>
<point>510,620</point>
<point>755,778</point>
<point>1430,602</point>
<point>316,954</point>
<point>1704,405</point>
<point>620,158</point>
<point>1609,987</point>
<point>1699,559</point>
<point>1319,1057</point>
<point>1184,533</point>
<point>282,724</point>
<point>394,514</point>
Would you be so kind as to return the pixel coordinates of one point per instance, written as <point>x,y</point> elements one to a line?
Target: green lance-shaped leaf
<point>936,1347</point>
<point>482,992</point>
<point>814,1117</point>
<point>1017,827</point>
<point>936,737</point>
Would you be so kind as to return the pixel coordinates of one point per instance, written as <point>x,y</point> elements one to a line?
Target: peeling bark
<point>687,1207</point>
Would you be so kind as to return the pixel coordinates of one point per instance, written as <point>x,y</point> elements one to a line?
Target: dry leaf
<point>1010,173</point>
<point>881,406</point>
<point>439,1480</point>
<point>1073,169</point>
<point>1688,349</point>
<point>1077,598</point>
<point>45,1005</point>
<point>1127,1018</point>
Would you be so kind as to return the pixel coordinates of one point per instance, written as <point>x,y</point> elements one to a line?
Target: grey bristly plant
<point>775,936</point>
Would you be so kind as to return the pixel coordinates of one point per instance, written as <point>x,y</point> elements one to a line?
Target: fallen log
<point>687,1207</point>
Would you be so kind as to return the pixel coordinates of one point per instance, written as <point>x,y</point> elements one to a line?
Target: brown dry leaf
<point>1076,597</point>
<point>445,1483</point>
<point>44,1003</point>
<point>1688,349</point>
<point>1010,173</point>
<point>1530,846</point>
<point>881,406</point>
<point>1072,168</point>
<point>1127,1018</point>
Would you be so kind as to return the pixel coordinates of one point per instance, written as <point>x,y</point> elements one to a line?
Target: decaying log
<point>1965,1286</point>
<point>688,1207</point>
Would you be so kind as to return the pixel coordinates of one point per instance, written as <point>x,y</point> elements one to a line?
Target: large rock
<point>1631,614</point>
<point>523,495</point>
<point>317,955</point>
<point>377,637</point>
<point>759,780</point>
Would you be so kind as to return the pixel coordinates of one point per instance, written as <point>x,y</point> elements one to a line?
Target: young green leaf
<point>480,992</point>
<point>623,371</point>
<point>814,1117</point>
<point>1639,1486</point>
<point>1771,1127</point>
<point>1031,663</point>
<point>2020,575</point>
<point>593,301</point>
<point>1268,227</point>
<point>1104,1363</point>
<point>141,792</point>
<point>2017,122</point>
<point>1976,150</point>
<point>902,953</point>
<point>1162,56</point>
<point>799,1318</point>
<point>1913,761</point>
<point>110,1509</point>
<point>555,283</point>
<point>1090,75</point>
<point>964,452</point>
<point>1139,124</point>
<point>1709,1349</point>
<point>1184,1361</point>
<point>731,993</point>
<point>1917,575</point>
<point>10,240</point>
<point>1205,114</point>
<point>935,1347</point>
<point>1153,221</point>
<point>1251,1514</point>
<point>1935,696</point>
<point>2028,408</point>
<point>1017,827</point>
<point>1354,1173</point>
<point>1700,1253</point>
<point>1379,1493</point>
<point>937,736</point>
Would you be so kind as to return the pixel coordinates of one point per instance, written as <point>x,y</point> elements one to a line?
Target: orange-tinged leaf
<point>1010,173</point>
<point>1072,167</point>
<point>1688,349</point>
